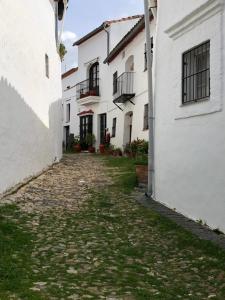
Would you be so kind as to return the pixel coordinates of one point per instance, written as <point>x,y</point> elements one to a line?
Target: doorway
<point>103,126</point>
<point>66,137</point>
<point>86,127</point>
<point>128,120</point>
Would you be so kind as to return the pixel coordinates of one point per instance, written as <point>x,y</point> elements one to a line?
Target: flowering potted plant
<point>90,141</point>
<point>77,146</point>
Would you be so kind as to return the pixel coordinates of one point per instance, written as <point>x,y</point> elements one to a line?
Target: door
<point>85,128</point>
<point>103,124</point>
<point>67,134</point>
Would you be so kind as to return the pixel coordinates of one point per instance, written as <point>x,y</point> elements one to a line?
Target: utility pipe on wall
<point>150,102</point>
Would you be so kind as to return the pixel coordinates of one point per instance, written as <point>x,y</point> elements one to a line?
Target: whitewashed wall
<point>69,97</point>
<point>30,105</point>
<point>135,48</point>
<point>93,49</point>
<point>190,140</point>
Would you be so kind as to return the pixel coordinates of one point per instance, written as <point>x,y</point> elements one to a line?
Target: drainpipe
<point>150,192</point>
<point>108,35</point>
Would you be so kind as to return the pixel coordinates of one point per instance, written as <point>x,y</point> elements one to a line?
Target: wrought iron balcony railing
<point>87,88</point>
<point>123,87</point>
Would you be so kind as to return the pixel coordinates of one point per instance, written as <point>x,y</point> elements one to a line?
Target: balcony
<point>88,92</point>
<point>123,88</point>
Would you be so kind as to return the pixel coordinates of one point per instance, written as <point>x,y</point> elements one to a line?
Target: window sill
<point>195,102</point>
<point>145,129</point>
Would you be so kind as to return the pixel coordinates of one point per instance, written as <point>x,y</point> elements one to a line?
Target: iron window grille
<point>145,54</point>
<point>145,127</point>
<point>196,74</point>
<point>114,127</point>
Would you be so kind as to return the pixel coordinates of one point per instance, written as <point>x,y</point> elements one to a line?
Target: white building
<point>128,105</point>
<point>30,89</point>
<point>189,109</point>
<point>88,93</point>
<point>70,106</point>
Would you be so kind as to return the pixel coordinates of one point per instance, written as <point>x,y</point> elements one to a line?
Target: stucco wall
<point>93,49</point>
<point>190,140</point>
<point>69,97</point>
<point>135,48</point>
<point>30,114</point>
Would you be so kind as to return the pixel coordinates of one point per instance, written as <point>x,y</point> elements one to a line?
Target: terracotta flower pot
<point>77,148</point>
<point>102,148</point>
<point>91,149</point>
<point>142,173</point>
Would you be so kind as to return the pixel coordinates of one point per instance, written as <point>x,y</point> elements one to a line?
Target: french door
<point>94,78</point>
<point>86,126</point>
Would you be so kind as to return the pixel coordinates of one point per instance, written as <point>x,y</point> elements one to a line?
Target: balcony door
<point>94,78</point>
<point>86,125</point>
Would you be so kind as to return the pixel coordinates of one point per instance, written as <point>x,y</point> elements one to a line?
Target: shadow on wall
<point>27,146</point>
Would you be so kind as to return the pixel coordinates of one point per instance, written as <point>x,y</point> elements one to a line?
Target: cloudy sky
<point>85,15</point>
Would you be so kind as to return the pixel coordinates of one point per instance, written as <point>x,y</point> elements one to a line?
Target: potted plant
<point>141,168</point>
<point>90,141</point>
<point>77,146</point>
<point>102,148</point>
<point>118,152</point>
<point>92,92</point>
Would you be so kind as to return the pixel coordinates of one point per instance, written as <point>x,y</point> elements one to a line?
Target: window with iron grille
<point>114,127</point>
<point>115,75</point>
<point>145,54</point>
<point>196,74</point>
<point>145,127</point>
<point>46,65</point>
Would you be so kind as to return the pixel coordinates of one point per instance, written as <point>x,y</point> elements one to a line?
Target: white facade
<point>93,50</point>
<point>30,113</point>
<point>189,138</point>
<point>70,107</point>
<point>130,121</point>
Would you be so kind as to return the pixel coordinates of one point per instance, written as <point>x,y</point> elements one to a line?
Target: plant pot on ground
<point>90,141</point>
<point>91,149</point>
<point>141,169</point>
<point>102,148</point>
<point>77,148</point>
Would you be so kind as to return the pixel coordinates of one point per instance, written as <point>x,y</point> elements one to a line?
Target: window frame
<point>68,112</point>
<point>145,53</point>
<point>115,80</point>
<point>194,73</point>
<point>145,117</point>
<point>114,121</point>
<point>47,65</point>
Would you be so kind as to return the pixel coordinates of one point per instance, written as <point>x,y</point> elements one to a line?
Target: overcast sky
<point>85,15</point>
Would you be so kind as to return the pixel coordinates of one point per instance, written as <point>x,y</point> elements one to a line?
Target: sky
<point>85,15</point>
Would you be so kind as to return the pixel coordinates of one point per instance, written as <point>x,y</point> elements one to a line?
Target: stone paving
<point>65,186</point>
<point>93,241</point>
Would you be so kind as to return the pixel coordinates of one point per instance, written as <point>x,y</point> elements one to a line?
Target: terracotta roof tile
<point>69,72</point>
<point>102,26</point>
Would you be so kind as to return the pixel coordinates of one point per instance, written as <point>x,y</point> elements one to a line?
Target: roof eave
<point>126,40</point>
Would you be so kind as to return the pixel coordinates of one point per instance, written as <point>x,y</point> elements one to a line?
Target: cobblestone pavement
<point>91,240</point>
<point>65,186</point>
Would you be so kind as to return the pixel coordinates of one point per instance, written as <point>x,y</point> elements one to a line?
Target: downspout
<point>108,38</point>
<point>151,165</point>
